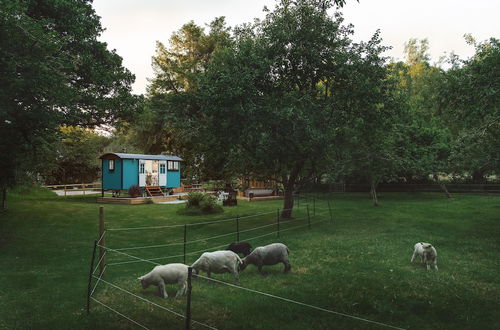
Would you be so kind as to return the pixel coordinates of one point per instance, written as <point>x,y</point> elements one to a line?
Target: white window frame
<point>172,165</point>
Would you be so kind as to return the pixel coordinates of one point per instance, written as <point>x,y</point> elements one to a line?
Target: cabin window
<point>111,165</point>
<point>142,168</point>
<point>173,166</point>
<point>162,168</point>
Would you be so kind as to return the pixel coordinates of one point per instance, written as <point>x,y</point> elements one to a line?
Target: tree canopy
<point>271,99</point>
<point>54,72</point>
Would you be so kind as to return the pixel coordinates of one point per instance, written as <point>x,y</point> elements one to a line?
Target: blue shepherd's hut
<point>120,171</point>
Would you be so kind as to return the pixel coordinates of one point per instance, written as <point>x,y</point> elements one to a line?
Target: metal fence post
<point>188,304</point>
<point>102,243</point>
<point>90,277</point>
<point>314,206</point>
<point>330,210</point>
<point>185,236</point>
<point>308,217</point>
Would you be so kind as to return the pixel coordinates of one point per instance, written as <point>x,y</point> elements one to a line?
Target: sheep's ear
<point>139,278</point>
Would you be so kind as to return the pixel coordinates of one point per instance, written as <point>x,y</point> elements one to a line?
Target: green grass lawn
<point>359,264</point>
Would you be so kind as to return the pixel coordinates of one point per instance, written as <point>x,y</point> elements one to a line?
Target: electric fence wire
<point>299,303</point>
<point>150,260</point>
<point>152,303</point>
<point>99,279</point>
<point>190,224</point>
<point>117,312</point>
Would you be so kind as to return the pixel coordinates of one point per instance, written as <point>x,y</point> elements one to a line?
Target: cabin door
<point>162,176</point>
<point>142,173</point>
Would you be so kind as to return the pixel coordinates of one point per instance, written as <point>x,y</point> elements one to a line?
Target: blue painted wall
<point>130,172</point>
<point>174,178</point>
<point>112,179</point>
<point>130,168</point>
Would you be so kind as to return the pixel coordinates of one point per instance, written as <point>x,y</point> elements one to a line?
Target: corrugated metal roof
<point>141,156</point>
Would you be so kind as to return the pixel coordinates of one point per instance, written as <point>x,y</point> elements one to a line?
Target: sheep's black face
<point>243,265</point>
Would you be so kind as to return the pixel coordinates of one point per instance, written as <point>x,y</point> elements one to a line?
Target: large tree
<point>365,147</point>
<point>171,108</point>
<point>268,105</point>
<point>54,71</point>
<point>470,101</point>
<point>422,138</point>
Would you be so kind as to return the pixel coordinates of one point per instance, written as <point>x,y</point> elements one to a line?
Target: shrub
<point>194,199</point>
<point>134,191</point>
<point>209,204</point>
<point>199,203</point>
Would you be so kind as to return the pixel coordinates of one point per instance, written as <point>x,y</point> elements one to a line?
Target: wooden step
<point>154,191</point>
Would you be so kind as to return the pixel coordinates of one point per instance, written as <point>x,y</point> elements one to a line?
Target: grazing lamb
<point>271,254</point>
<point>427,254</point>
<point>218,262</point>
<point>166,274</point>
<point>240,247</point>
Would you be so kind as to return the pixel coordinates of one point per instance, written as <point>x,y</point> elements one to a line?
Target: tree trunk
<point>447,193</point>
<point>478,176</point>
<point>373,191</point>
<point>443,187</point>
<point>289,185</point>
<point>286,213</point>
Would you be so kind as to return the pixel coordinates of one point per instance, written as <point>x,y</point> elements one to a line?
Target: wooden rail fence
<point>94,186</point>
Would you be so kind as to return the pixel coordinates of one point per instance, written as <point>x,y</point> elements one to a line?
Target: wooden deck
<point>259,199</point>
<point>137,200</point>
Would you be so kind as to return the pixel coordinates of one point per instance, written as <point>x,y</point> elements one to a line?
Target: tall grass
<point>359,264</point>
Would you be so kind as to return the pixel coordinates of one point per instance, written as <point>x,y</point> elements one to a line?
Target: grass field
<point>359,264</point>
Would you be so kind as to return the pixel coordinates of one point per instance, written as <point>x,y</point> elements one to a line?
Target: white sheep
<point>271,254</point>
<point>166,274</point>
<point>218,262</point>
<point>427,254</point>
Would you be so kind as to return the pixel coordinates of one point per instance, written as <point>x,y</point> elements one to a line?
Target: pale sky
<point>134,26</point>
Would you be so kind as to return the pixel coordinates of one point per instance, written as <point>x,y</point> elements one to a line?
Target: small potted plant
<point>134,191</point>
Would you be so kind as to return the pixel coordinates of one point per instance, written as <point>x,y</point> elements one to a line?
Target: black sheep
<point>240,247</point>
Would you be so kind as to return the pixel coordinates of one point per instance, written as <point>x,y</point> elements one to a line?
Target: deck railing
<point>94,186</point>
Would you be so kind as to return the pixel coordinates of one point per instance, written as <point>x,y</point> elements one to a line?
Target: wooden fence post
<point>188,304</point>
<point>102,242</point>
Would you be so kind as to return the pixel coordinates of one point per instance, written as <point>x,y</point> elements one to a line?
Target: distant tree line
<point>294,99</point>
<point>54,72</point>
<point>289,98</point>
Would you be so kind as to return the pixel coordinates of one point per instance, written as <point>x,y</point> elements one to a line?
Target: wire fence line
<point>102,236</point>
<point>100,260</point>
<point>101,245</point>
<point>297,302</point>
<point>153,303</point>
<point>196,223</point>
<point>151,260</point>
<point>98,280</point>
<point>203,239</point>
<point>117,312</point>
